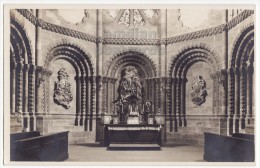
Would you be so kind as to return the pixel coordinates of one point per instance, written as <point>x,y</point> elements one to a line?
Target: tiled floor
<point>169,153</point>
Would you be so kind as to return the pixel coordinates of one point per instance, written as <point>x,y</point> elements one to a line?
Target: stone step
<point>137,146</point>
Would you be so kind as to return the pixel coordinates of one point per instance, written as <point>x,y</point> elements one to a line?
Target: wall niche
<point>202,69</point>
<point>56,67</point>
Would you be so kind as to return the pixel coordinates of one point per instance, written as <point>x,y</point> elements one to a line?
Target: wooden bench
<point>49,147</point>
<point>220,148</point>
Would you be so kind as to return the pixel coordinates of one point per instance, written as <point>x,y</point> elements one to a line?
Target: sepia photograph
<point>145,84</point>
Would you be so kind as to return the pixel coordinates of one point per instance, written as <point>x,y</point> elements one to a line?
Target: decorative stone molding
<point>249,28</point>
<point>76,54</point>
<point>185,37</point>
<point>131,41</point>
<point>55,28</point>
<point>25,40</point>
<point>239,18</point>
<point>199,50</point>
<point>132,56</point>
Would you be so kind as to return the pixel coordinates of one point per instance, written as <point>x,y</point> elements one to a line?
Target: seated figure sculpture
<point>130,94</point>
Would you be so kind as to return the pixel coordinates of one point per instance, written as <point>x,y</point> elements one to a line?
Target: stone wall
<point>98,43</point>
<point>203,69</point>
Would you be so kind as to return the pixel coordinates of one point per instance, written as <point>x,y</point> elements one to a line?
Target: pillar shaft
<point>13,89</point>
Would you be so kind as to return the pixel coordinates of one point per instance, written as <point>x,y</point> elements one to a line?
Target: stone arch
<point>22,75</point>
<point>180,64</point>
<point>20,42</point>
<point>77,54</point>
<point>240,80</point>
<point>245,40</point>
<point>81,62</point>
<point>115,66</point>
<point>132,56</point>
<point>191,52</point>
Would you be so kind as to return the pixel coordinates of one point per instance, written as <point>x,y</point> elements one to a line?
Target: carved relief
<point>198,90</point>
<point>62,89</point>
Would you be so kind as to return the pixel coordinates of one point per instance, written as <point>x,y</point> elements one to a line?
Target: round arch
<point>194,52</point>
<point>20,43</point>
<point>131,57</point>
<point>242,47</point>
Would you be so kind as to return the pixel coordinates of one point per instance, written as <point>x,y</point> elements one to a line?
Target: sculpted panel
<point>198,92</point>
<point>62,89</point>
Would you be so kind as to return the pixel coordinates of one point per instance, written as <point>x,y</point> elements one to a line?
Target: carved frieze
<point>62,89</point>
<point>198,90</point>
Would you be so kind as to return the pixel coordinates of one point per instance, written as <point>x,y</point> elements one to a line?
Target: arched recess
<point>240,80</point>
<point>147,72</point>
<point>180,64</point>
<point>83,67</point>
<point>22,75</point>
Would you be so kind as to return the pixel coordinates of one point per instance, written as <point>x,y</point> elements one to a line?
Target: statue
<point>198,90</point>
<point>130,94</point>
<point>62,90</point>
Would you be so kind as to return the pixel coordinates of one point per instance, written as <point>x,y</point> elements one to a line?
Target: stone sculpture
<point>62,89</point>
<point>130,94</point>
<point>198,90</point>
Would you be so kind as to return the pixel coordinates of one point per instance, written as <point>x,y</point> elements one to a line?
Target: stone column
<point>84,102</point>
<point>48,73</point>
<point>14,66</point>
<point>114,92</point>
<point>249,94</point>
<point>39,96</point>
<point>26,86</point>
<point>163,47</point>
<point>214,77</point>
<point>108,96</point>
<point>38,58</point>
<point>242,97</point>
<point>225,40</point>
<point>99,61</point>
<point>157,95</point>
<point>78,80</point>
<point>39,89</point>
<point>19,97</point>
<point>92,89</point>
<point>153,91</point>
<point>183,101</point>
<point>31,98</point>
<point>230,100</point>
<point>99,96</point>
<point>237,100</point>
<point>104,94</point>
<point>173,103</point>
<point>168,100</point>
<point>162,94</point>
<point>178,101</point>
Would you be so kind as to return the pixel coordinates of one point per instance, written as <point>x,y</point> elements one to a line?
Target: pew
<point>49,147</point>
<point>236,148</point>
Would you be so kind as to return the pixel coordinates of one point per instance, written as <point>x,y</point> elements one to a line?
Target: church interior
<point>124,79</point>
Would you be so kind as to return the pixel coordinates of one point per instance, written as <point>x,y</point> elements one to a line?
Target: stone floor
<point>169,153</point>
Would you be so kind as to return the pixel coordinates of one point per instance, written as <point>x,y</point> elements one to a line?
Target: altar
<point>133,134</point>
<point>133,123</point>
